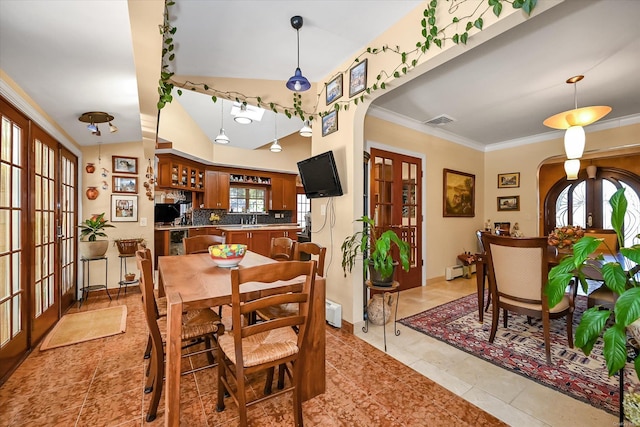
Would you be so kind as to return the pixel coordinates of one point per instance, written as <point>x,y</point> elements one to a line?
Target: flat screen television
<point>320,176</point>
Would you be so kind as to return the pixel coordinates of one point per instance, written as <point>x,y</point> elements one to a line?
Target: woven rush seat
<point>161,302</point>
<point>263,347</point>
<point>195,323</point>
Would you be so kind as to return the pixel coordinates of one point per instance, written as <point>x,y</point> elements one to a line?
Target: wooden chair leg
<point>147,351</point>
<point>241,397</point>
<point>158,357</point>
<point>547,340</point>
<point>269,381</point>
<point>495,317</point>
<point>505,317</point>
<point>207,343</point>
<point>570,329</point>
<point>281,371</point>
<point>222,379</point>
<point>297,395</point>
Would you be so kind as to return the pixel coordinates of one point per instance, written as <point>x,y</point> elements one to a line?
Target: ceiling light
<point>298,82</point>
<point>222,138</point>
<point>242,117</point>
<point>95,117</point>
<point>275,147</point>
<point>572,167</point>
<point>306,130</point>
<point>574,121</point>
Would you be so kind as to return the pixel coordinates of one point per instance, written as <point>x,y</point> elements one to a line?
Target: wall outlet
<point>323,210</point>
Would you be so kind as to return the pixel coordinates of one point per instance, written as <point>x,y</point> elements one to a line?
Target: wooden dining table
<point>194,282</point>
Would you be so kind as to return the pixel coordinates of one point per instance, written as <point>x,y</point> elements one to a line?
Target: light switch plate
<point>143,222</point>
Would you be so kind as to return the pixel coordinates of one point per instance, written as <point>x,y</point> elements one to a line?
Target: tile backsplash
<point>201,217</point>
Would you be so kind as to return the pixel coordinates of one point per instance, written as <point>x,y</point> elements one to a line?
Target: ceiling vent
<point>442,119</point>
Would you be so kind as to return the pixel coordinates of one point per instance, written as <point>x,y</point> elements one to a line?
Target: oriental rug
<point>520,349</point>
<point>74,328</point>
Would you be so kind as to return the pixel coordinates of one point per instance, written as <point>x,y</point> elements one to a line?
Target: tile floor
<point>99,383</point>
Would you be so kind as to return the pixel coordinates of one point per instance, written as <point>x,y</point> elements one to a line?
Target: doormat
<point>520,348</point>
<point>85,326</point>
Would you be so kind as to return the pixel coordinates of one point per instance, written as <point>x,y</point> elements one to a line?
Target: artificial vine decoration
<point>431,35</point>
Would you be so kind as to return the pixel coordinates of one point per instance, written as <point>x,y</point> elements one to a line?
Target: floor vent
<point>442,119</point>
<point>334,313</point>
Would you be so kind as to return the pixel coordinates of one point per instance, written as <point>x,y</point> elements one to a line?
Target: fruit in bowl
<point>228,255</point>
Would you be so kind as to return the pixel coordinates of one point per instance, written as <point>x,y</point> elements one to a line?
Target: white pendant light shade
<point>574,142</point>
<point>275,147</point>
<point>222,138</point>
<point>243,117</point>
<point>306,130</point>
<point>572,167</point>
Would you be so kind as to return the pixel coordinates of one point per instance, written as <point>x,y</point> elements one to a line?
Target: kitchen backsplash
<point>201,217</point>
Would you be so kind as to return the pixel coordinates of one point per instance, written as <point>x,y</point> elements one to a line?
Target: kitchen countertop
<point>230,227</point>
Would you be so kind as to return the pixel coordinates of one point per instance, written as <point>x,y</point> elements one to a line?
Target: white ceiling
<point>73,57</point>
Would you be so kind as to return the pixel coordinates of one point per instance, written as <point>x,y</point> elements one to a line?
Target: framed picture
<point>330,123</point>
<point>509,180</point>
<point>125,184</point>
<point>334,89</point>
<point>458,194</point>
<point>358,78</point>
<point>125,164</point>
<point>124,208</point>
<point>509,203</point>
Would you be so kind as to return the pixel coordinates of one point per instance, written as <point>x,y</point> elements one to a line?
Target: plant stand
<point>86,284</point>
<point>123,273</point>
<point>394,288</point>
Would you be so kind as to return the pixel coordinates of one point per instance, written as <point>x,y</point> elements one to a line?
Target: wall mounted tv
<point>320,176</point>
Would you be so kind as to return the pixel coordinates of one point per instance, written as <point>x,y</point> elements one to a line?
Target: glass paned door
<point>66,228</point>
<point>14,338</point>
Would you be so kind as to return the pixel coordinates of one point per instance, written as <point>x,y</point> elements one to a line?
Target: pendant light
<point>298,82</point>
<point>243,116</point>
<point>306,130</point>
<point>222,138</point>
<point>572,167</point>
<point>574,121</point>
<point>275,147</point>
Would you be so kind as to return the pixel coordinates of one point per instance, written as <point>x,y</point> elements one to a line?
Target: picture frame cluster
<point>124,200</point>
<point>508,203</point>
<point>334,90</point>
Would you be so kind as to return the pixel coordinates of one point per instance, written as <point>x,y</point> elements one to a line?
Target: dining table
<point>194,282</point>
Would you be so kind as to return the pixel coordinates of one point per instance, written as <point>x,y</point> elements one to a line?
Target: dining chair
<point>200,244</point>
<point>251,348</point>
<point>602,296</point>
<point>518,271</point>
<point>281,248</point>
<point>197,326</point>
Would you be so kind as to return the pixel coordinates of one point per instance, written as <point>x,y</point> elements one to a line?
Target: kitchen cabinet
<point>257,240</point>
<point>283,193</point>
<point>217,190</point>
<point>179,173</point>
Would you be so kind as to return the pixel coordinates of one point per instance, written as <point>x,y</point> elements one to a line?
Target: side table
<point>395,287</point>
<point>86,283</point>
<point>123,267</point>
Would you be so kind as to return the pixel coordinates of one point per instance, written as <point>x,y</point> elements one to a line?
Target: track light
<point>112,128</point>
<point>95,117</point>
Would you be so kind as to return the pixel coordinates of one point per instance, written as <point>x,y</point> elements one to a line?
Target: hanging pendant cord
<point>298,37</point>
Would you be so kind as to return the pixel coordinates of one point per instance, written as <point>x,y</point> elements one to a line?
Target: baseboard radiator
<point>333,313</point>
<point>457,271</point>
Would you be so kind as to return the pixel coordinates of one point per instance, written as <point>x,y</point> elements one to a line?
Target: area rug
<point>520,348</point>
<point>85,326</point>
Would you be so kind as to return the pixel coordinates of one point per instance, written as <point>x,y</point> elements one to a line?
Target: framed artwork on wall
<point>509,203</point>
<point>334,89</point>
<point>124,208</point>
<point>125,184</point>
<point>329,123</point>
<point>358,78</point>
<point>458,194</point>
<point>509,180</point>
<point>123,164</point>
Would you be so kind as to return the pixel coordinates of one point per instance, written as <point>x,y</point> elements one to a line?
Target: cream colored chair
<point>518,271</point>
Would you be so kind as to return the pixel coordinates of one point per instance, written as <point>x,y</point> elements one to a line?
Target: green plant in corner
<point>93,228</point>
<point>377,249</point>
<point>624,282</point>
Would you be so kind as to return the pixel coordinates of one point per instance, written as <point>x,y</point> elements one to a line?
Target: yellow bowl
<point>227,255</point>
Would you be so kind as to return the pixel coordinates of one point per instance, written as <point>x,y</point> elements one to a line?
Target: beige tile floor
<point>509,397</point>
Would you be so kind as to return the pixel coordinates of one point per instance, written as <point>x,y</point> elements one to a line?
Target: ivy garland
<point>431,35</point>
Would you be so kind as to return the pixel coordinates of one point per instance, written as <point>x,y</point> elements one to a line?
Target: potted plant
<point>596,321</point>
<point>376,250</point>
<point>128,246</point>
<point>90,230</point>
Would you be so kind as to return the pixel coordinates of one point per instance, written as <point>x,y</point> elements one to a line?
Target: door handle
<point>60,235</point>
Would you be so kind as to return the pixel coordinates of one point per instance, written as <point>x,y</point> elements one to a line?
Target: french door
<point>395,204</point>
<point>38,181</point>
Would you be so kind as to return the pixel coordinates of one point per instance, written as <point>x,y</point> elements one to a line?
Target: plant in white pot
<point>90,230</point>
<point>377,251</point>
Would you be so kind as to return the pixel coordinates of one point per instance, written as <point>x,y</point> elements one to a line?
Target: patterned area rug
<point>520,348</point>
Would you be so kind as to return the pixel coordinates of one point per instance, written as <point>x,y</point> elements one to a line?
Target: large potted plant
<point>620,278</point>
<point>90,230</point>
<point>377,252</point>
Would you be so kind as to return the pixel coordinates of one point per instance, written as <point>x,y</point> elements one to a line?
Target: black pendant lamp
<point>298,82</point>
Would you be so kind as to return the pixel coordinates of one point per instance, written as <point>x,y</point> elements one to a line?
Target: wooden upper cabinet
<point>180,173</point>
<point>216,186</point>
<point>283,193</point>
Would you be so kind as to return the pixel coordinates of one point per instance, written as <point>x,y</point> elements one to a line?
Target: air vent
<point>442,119</point>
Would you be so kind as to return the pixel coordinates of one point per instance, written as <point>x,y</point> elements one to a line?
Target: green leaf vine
<point>431,34</point>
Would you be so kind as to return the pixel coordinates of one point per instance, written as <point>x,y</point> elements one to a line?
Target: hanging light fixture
<point>275,147</point>
<point>243,116</point>
<point>592,171</point>
<point>572,167</point>
<point>298,82</point>
<point>222,137</point>
<point>96,117</point>
<point>306,130</point>
<point>574,121</point>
